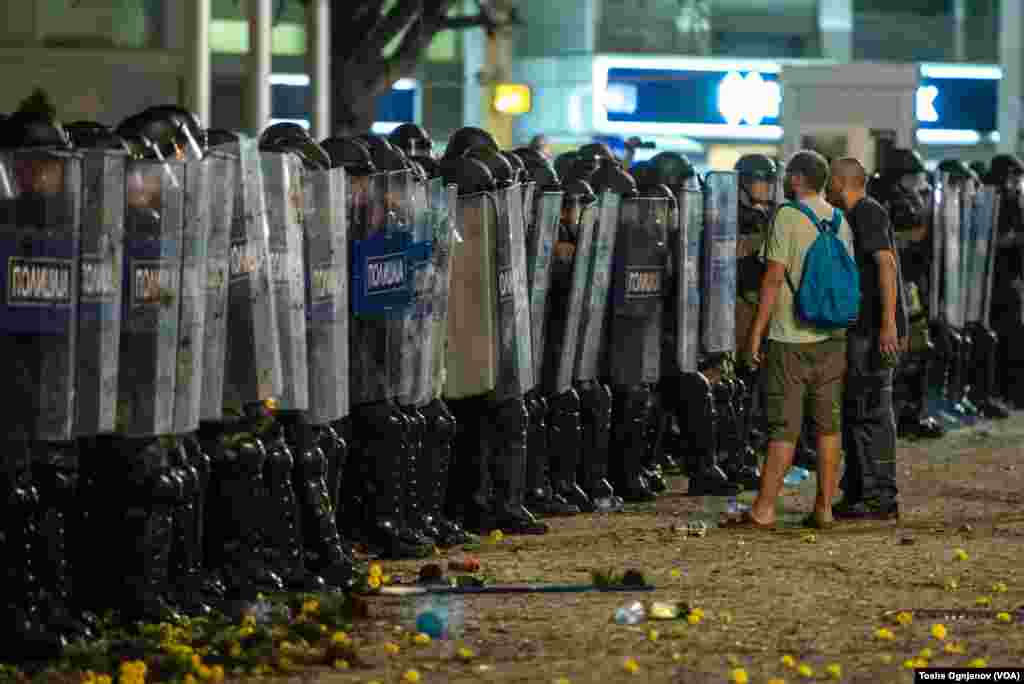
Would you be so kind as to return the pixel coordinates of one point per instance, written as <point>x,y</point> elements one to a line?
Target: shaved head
<point>851,171</point>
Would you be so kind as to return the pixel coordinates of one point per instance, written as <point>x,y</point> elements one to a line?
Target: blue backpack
<point>829,292</point>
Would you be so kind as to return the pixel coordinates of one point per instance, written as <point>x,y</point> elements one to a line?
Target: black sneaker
<point>867,509</point>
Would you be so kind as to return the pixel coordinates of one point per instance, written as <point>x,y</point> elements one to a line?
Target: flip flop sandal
<point>812,522</point>
<point>745,522</point>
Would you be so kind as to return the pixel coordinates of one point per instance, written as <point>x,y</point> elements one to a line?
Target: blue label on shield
<point>644,282</point>
<point>321,291</point>
<point>97,290</point>
<point>37,285</point>
<point>382,276</point>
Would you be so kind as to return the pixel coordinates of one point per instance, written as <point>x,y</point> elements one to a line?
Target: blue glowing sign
<point>293,101</point>
<point>958,104</point>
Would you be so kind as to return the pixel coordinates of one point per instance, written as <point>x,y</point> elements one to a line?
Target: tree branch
<point>388,26</point>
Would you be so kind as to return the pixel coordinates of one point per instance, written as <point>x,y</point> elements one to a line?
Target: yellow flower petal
<point>925,653</point>
<point>805,671</point>
<point>218,674</point>
<point>960,555</point>
<point>676,657</point>
<point>270,404</point>
<point>978,663</point>
<point>386,579</point>
<point>399,629</point>
<point>983,601</point>
<point>411,676</point>
<point>190,678</point>
<point>939,631</point>
<point>562,680</point>
<point>421,639</point>
<point>693,619</point>
<point>104,679</point>
<point>373,582</point>
<point>1004,617</point>
<point>953,649</point>
<point>725,617</point>
<point>739,676</point>
<point>909,663</point>
<point>835,671</point>
<point>1000,588</point>
<point>391,648</point>
<point>466,653</point>
<point>376,570</point>
<point>340,664</point>
<point>631,666</point>
<point>732,660</point>
<point>653,635</point>
<point>497,536</point>
<point>904,618</point>
<point>776,680</point>
<point>789,661</point>
<point>676,573</point>
<point>886,658</point>
<point>340,638</point>
<point>952,584</point>
<point>884,634</point>
<point>311,606</point>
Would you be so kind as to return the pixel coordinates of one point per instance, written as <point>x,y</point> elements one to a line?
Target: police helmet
<point>611,177</point>
<point>580,191</point>
<point>386,157</point>
<point>518,167</point>
<point>431,167</point>
<point>471,175</point>
<point>191,128</point>
<point>1003,167</point>
<point>542,172</point>
<point>33,129</point>
<point>412,139</point>
<point>215,137</point>
<point>585,166</point>
<point>468,138</point>
<point>351,154</point>
<point>901,161</point>
<point>299,143</point>
<point>956,170</point>
<point>93,136</point>
<point>500,167</point>
<point>564,164</point>
<point>672,169</point>
<point>757,166</point>
<point>598,150</point>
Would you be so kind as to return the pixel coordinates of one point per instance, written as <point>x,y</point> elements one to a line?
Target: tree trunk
<point>353,107</point>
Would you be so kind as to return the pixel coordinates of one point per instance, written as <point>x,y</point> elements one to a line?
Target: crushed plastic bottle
<point>633,614</point>
<point>796,476</point>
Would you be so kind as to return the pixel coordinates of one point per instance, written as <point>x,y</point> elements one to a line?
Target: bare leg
<point>828,475</point>
<point>776,465</point>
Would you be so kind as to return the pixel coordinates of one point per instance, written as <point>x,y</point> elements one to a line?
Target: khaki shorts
<point>799,375</point>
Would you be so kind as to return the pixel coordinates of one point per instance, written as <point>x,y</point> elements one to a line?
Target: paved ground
<point>764,595</point>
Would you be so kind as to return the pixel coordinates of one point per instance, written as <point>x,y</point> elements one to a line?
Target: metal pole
<point>259,65</point>
<point>198,87</point>
<point>1011,22</point>
<point>960,30</point>
<point>318,32</point>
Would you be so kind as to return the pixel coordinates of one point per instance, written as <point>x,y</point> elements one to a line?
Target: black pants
<point>869,423</point>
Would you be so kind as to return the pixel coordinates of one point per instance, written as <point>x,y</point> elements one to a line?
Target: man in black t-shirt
<point>873,344</point>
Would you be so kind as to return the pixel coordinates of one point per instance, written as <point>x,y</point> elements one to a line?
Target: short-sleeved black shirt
<point>873,232</point>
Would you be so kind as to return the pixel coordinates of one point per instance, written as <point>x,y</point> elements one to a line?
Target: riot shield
<point>443,200</point>
<point>533,209</point>
<point>598,264</point>
<point>540,242</point>
<point>188,385</point>
<point>380,291</point>
<point>223,195</point>
<point>565,309</point>
<point>515,355</point>
<point>981,216</point>
<point>154,219</point>
<point>984,208</point>
<point>282,184</point>
<point>471,353</point>
<point>326,252</point>
<point>254,350</point>
<point>948,230</point>
<point>99,292</point>
<point>637,294</point>
<point>721,207</point>
<point>937,240</point>
<point>415,343</point>
<point>40,209</point>
<point>688,290</point>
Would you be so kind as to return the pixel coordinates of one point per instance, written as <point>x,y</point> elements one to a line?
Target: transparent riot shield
<point>223,196</point>
<point>721,207</point>
<point>471,358</point>
<point>948,229</point>
<point>282,185</point>
<point>188,385</point>
<point>405,206</point>
<point>380,290</point>
<point>443,200</point>
<point>688,283</point>
<point>982,216</point>
<point>99,291</point>
<point>595,300</point>
<point>515,354</point>
<point>154,219</point>
<point>532,210</point>
<point>326,252</point>
<point>254,349</point>
<point>638,291</point>
<point>417,327</point>
<point>987,204</point>
<point>40,223</point>
<point>540,242</point>
<point>937,240</point>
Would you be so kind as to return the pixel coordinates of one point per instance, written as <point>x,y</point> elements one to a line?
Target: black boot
<point>382,448</point>
<point>506,443</point>
<point>438,437</point>
<point>186,579</point>
<point>596,426</point>
<point>24,634</point>
<point>324,552</point>
<point>654,433</point>
<point>926,423</point>
<point>698,420</point>
<point>234,542</point>
<point>334,445</point>
<point>629,425</point>
<point>469,485</point>
<point>733,459</point>
<point>419,482</point>
<point>541,496</point>
<point>284,522</point>
<point>565,440</point>
<point>206,583</point>
<point>54,470</point>
<point>982,369</point>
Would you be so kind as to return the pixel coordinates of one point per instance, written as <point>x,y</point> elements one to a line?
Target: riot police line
<point>233,359</point>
